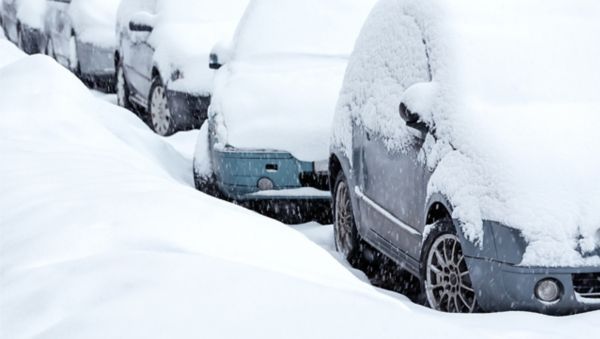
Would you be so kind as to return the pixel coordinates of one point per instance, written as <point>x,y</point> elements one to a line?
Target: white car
<point>274,99</point>
<point>80,36</point>
<point>162,59</point>
<point>23,23</point>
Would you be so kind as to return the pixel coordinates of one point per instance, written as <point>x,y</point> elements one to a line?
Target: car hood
<point>185,47</point>
<point>281,103</point>
<point>31,12</point>
<point>532,167</point>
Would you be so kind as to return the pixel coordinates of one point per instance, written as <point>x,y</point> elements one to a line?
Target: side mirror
<point>142,22</point>
<point>416,106</point>
<point>213,62</point>
<point>413,119</point>
<point>220,55</point>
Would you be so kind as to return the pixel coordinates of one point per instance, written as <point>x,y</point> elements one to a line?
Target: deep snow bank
<point>101,237</point>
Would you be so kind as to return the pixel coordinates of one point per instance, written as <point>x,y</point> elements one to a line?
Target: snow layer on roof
<point>31,12</point>
<point>95,21</point>
<point>279,93</point>
<point>102,237</point>
<point>517,99</point>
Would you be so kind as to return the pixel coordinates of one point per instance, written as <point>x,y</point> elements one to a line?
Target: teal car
<point>274,98</point>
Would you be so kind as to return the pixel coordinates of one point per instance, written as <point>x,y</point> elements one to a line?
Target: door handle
<point>368,135</point>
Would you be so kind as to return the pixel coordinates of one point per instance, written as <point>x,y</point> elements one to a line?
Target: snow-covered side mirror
<point>142,22</point>
<point>416,106</point>
<point>220,55</point>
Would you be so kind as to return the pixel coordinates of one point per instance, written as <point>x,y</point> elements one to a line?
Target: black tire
<point>347,239</point>
<point>208,185</point>
<point>453,290</point>
<point>159,116</point>
<point>121,87</point>
<point>74,64</point>
<point>20,38</point>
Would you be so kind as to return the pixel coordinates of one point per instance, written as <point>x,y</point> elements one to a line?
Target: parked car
<point>162,58</point>
<point>274,98</point>
<point>80,36</point>
<point>22,22</point>
<point>454,152</point>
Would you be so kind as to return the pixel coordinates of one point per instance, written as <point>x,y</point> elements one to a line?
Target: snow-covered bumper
<point>502,285</point>
<point>269,175</point>
<point>188,110</point>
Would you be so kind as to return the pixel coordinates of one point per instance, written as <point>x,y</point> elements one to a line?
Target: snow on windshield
<point>312,27</point>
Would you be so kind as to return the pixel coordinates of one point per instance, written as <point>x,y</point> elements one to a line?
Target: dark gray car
<point>459,202</point>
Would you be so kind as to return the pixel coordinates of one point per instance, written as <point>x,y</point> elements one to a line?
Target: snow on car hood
<point>279,103</point>
<point>31,12</point>
<point>516,116</point>
<point>527,119</point>
<point>95,21</point>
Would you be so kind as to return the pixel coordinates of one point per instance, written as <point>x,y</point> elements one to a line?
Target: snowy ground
<point>103,236</point>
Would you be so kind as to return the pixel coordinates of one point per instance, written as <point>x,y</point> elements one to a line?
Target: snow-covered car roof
<point>516,112</point>
<point>95,21</point>
<point>289,57</point>
<point>184,33</point>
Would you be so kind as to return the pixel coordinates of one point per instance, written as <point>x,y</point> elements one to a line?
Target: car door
<point>393,179</point>
<point>60,30</point>
<point>138,56</point>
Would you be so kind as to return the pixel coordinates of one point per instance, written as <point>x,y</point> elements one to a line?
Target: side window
<point>390,56</point>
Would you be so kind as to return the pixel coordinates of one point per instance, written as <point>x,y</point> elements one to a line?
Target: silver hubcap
<point>121,87</point>
<point>448,284</point>
<point>344,239</point>
<point>159,111</point>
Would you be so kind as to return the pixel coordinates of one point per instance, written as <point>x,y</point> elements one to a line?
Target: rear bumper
<point>239,172</point>
<point>97,63</point>
<point>505,287</point>
<point>189,110</point>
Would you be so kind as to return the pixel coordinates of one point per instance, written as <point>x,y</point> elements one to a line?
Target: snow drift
<point>101,236</point>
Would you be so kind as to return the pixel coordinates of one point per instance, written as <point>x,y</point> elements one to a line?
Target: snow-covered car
<point>465,149</point>
<point>164,47</point>
<point>23,23</point>
<point>274,100</point>
<point>81,37</point>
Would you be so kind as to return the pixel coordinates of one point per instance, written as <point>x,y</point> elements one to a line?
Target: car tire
<point>74,64</point>
<point>159,114</point>
<point>122,88</point>
<point>20,37</point>
<point>445,278</point>
<point>346,236</point>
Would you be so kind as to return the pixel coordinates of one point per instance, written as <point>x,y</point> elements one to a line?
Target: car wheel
<point>122,87</point>
<point>347,239</point>
<point>50,49</point>
<point>74,65</point>
<point>20,38</point>
<point>446,278</point>
<point>161,120</point>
